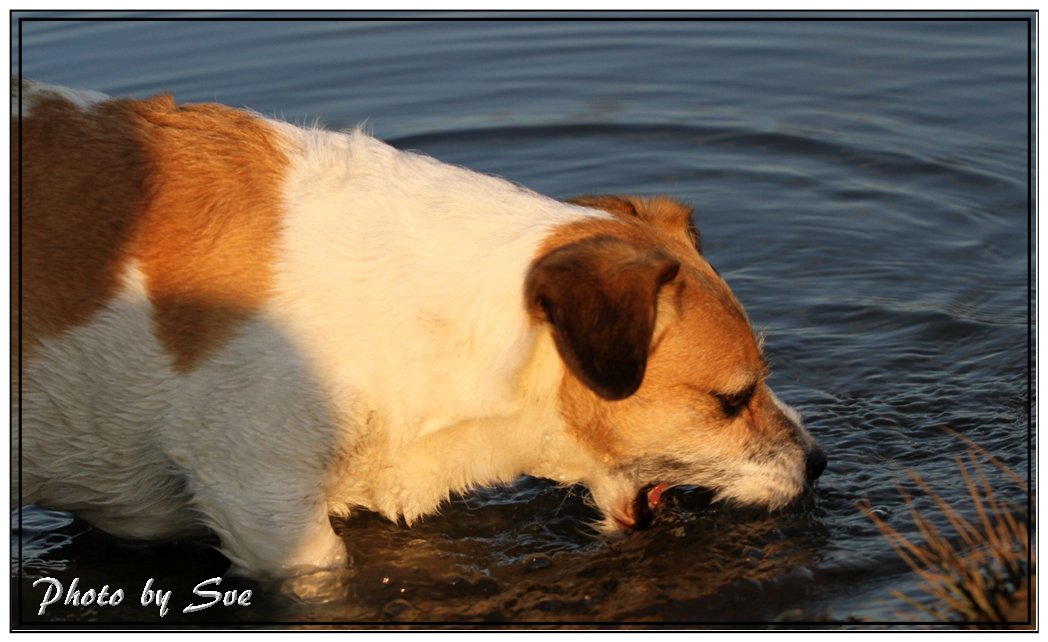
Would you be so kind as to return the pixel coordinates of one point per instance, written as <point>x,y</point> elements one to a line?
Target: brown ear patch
<point>671,215</point>
<point>599,295</point>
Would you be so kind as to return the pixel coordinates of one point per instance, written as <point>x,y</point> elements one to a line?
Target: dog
<point>233,324</point>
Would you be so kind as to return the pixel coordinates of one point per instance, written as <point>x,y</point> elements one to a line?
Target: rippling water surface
<point>862,185</point>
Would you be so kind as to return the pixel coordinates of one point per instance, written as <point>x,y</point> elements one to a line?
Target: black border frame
<point>1022,15</point>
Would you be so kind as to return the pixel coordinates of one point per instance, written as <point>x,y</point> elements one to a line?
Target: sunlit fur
<point>282,324</point>
<point>673,429</point>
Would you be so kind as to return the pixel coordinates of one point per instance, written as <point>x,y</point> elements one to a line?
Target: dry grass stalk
<point>988,579</point>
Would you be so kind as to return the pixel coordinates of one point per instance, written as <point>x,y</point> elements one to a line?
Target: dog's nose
<point>816,463</point>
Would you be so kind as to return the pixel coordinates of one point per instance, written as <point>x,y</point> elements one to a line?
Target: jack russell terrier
<point>233,323</point>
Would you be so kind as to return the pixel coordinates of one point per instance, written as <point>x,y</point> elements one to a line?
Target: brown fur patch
<point>208,241</point>
<point>190,193</point>
<point>83,184</point>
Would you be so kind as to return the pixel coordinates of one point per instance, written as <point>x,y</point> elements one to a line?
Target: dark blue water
<point>862,185</point>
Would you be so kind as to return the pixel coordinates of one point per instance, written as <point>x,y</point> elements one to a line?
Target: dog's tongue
<point>645,503</point>
<point>655,494</point>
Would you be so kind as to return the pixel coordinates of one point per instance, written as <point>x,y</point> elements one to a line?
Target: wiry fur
<point>393,351</point>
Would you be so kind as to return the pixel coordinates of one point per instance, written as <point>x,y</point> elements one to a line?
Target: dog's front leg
<point>270,525</point>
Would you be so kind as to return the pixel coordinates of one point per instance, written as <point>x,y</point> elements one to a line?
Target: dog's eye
<point>733,403</point>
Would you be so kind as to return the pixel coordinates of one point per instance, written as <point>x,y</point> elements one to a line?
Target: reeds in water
<point>984,576</point>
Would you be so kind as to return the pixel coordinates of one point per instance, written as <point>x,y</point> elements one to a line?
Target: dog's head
<point>665,378</point>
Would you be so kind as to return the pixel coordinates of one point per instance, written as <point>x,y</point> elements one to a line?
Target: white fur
<point>430,259</point>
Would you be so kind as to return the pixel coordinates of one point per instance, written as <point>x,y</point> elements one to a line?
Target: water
<point>862,185</point>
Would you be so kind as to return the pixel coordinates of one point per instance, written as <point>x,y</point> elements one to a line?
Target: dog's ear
<point>600,296</point>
